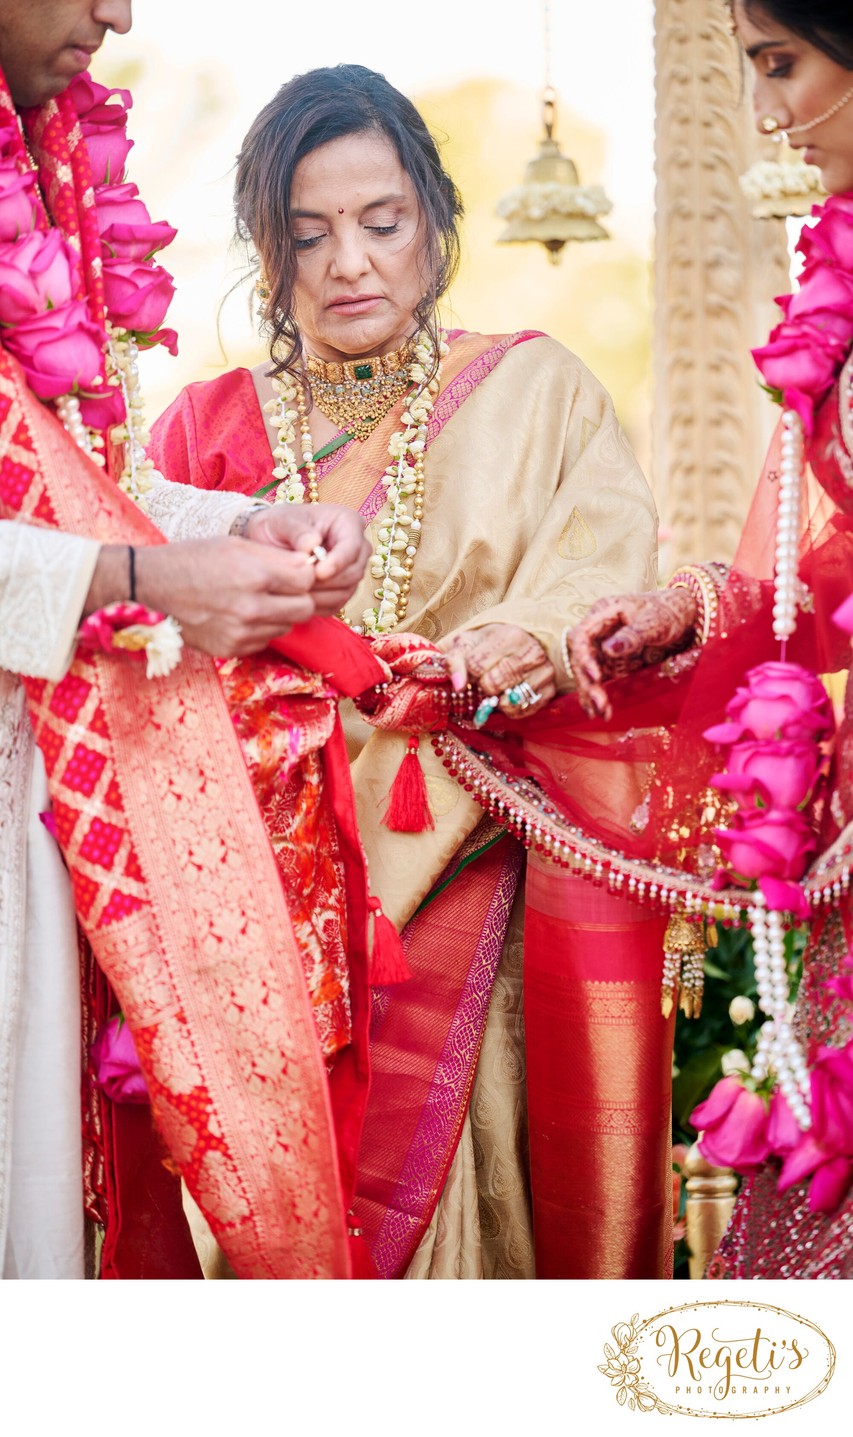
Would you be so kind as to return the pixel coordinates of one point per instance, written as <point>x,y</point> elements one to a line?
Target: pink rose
<point>832,1100</point>
<point>832,237</point>
<point>57,350</point>
<point>137,295</point>
<point>783,1130</point>
<point>733,1126</point>
<point>167,337</point>
<point>830,1184</point>
<point>91,100</point>
<point>794,357</point>
<point>35,272</point>
<point>104,408</point>
<point>784,897</point>
<point>802,361</point>
<point>18,295</point>
<point>824,299</point>
<point>17,207</point>
<point>767,841</point>
<point>830,1173</point>
<point>779,700</point>
<point>120,205</point>
<point>781,773</point>
<point>108,148</point>
<point>137,241</point>
<point>116,1064</point>
<point>103,125</point>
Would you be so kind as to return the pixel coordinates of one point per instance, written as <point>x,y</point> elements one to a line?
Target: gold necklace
<point>399,529</point>
<point>357,394</point>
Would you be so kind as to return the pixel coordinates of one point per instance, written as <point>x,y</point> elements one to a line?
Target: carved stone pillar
<point>716,271</point>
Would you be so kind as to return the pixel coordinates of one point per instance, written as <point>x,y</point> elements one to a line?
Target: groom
<point>171,875</point>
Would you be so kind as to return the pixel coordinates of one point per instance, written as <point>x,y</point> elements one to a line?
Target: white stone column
<point>716,271</point>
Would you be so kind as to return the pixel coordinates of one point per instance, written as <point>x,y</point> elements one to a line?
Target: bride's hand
<point>625,633</point>
<point>499,657</point>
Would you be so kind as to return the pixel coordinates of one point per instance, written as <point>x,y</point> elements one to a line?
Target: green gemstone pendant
<point>363,371</point>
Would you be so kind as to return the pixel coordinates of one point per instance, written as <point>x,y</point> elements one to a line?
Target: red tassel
<point>408,806</point>
<point>361,1263</point>
<point>387,959</point>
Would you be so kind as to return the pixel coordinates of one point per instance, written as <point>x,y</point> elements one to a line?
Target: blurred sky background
<point>200,72</point>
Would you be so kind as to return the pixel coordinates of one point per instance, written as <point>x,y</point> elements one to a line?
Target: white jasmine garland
<point>398,532</point>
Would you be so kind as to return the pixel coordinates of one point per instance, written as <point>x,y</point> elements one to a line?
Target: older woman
<point>793,1219</point>
<point>503,500</point>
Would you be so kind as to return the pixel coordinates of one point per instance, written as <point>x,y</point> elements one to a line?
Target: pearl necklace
<point>778,1050</point>
<point>788,590</point>
<point>398,534</point>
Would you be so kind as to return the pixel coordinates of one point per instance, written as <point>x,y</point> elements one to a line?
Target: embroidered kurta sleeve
<point>44,580</point>
<point>181,511</point>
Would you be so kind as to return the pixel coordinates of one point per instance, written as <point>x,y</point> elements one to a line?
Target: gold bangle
<point>699,583</point>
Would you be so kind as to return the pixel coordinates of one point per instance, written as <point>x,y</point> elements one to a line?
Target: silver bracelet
<point>241,523</point>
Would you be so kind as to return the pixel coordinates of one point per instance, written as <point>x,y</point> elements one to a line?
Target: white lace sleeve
<point>44,580</point>
<point>181,511</point>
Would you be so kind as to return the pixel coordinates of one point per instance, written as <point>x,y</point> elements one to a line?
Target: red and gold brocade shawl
<point>178,893</point>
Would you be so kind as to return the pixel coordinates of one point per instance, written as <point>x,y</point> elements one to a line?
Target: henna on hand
<point>623,634</point>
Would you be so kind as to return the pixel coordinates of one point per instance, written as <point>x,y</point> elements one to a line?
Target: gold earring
<point>262,288</point>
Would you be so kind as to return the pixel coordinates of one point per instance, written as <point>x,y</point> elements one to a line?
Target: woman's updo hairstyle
<point>309,111</point>
<point>826,24</point>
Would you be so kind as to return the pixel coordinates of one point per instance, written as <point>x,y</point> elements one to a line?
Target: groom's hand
<point>302,528</point>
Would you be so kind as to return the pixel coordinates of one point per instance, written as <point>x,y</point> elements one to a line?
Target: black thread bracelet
<point>131,565</point>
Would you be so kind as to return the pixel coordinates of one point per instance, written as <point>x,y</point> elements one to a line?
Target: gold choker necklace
<point>358,393</point>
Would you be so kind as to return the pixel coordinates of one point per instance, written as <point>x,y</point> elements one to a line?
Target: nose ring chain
<point>769,125</point>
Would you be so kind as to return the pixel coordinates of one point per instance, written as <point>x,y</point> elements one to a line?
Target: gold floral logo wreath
<point>622,1368</point>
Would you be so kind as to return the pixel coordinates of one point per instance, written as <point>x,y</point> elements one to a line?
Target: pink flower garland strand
<point>805,354</point>
<point>47,328</point>
<point>777,734</point>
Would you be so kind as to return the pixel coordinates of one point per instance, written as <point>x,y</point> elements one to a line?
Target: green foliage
<point>701,1044</point>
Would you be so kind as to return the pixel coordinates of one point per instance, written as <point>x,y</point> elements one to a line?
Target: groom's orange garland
<point>175,884</point>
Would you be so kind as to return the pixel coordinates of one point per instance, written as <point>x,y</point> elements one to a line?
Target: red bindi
<point>340,212</point>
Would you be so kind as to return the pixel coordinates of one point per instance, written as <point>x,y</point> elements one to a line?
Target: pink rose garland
<point>805,352</point>
<point>776,726</point>
<point>48,330</point>
<point>776,731</point>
